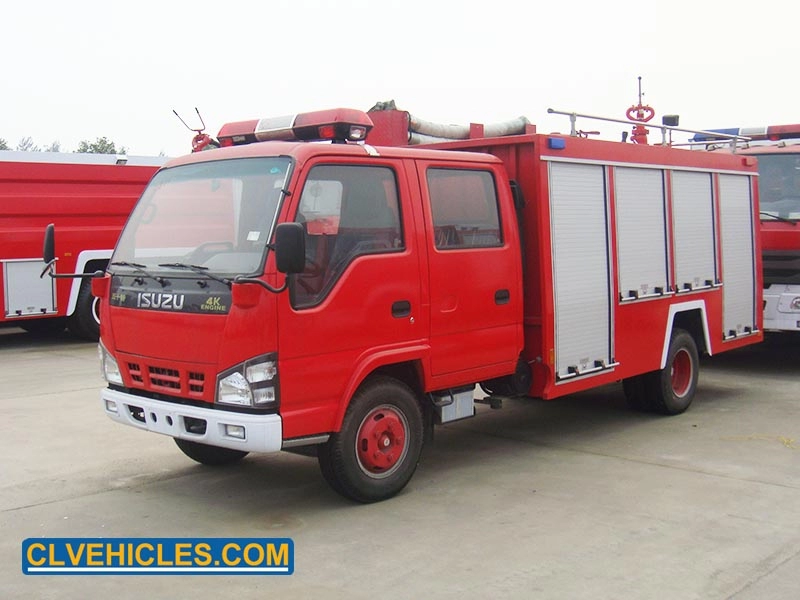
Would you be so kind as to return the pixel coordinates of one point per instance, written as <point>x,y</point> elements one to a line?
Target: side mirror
<point>49,249</point>
<point>49,257</point>
<point>290,248</point>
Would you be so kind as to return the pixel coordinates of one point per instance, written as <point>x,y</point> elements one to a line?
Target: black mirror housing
<point>290,248</point>
<point>49,248</point>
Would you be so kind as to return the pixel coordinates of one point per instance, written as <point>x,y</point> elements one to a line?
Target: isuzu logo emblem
<point>161,300</point>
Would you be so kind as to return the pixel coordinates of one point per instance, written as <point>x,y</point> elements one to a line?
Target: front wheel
<point>672,389</point>
<point>376,451</point>
<point>213,456</point>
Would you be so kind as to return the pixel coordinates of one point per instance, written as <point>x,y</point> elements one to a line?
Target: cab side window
<point>347,211</point>
<point>464,208</point>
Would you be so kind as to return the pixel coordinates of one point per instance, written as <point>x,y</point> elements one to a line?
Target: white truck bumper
<point>239,431</point>
<point>780,312</point>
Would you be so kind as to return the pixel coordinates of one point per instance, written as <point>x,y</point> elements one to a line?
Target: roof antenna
<point>201,141</point>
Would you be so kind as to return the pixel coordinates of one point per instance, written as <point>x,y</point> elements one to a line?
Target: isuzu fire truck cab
<point>345,297</point>
<point>777,149</point>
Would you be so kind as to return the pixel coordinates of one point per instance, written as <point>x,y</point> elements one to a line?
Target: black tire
<point>84,322</point>
<point>516,384</point>
<point>44,327</point>
<point>376,452</point>
<point>636,392</point>
<point>671,390</point>
<point>212,456</point>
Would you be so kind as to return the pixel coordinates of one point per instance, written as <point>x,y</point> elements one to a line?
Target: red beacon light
<point>337,125</point>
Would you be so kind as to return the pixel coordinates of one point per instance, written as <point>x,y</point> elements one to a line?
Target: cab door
<point>475,273</point>
<point>357,304</point>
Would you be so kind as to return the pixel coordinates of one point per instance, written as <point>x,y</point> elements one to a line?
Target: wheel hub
<point>381,440</point>
<point>681,373</point>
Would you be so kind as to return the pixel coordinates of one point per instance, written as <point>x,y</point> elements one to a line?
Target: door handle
<point>502,297</point>
<point>401,308</point>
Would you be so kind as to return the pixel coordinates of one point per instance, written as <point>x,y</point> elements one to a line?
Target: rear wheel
<point>85,320</point>
<point>672,389</point>
<point>516,384</point>
<point>636,390</point>
<point>376,452</point>
<point>48,326</point>
<point>213,456</point>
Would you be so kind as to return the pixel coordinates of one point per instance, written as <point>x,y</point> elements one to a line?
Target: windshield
<point>779,185</point>
<point>214,217</point>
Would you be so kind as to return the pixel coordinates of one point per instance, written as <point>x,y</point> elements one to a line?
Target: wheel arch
<point>692,317</point>
<point>88,262</point>
<point>406,367</point>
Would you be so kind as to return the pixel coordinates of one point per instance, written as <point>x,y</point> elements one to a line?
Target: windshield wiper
<point>197,269</point>
<point>140,269</point>
<point>765,213</point>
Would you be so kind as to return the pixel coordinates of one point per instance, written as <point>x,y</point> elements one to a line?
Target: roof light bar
<point>772,133</point>
<point>239,132</point>
<point>339,124</point>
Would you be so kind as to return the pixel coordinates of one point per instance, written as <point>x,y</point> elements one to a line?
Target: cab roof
<point>304,151</point>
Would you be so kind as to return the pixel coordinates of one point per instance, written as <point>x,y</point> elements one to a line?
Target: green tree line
<point>101,145</point>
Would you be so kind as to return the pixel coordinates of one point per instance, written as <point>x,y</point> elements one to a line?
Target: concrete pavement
<point>576,498</point>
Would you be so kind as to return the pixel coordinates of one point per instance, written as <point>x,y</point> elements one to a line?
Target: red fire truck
<point>777,149</point>
<point>88,196</point>
<point>344,298</point>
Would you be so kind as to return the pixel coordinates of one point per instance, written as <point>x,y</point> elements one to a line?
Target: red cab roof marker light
<point>339,124</point>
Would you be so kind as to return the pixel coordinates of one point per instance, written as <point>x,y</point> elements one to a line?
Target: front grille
<point>196,382</point>
<point>781,267</point>
<point>135,372</point>
<point>167,379</point>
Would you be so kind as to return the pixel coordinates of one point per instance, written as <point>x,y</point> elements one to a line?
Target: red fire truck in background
<point>89,197</point>
<point>344,298</point>
<point>777,149</point>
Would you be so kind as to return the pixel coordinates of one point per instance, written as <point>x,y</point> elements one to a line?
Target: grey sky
<point>88,68</point>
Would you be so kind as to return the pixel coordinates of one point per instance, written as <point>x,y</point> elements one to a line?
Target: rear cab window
<point>464,208</point>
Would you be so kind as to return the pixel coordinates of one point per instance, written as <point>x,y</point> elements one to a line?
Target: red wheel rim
<point>681,373</point>
<point>382,441</point>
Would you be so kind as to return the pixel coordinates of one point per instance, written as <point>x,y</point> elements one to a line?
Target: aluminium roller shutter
<point>581,276</point>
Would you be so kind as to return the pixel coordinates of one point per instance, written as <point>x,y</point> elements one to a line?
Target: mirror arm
<point>48,268</point>
<point>264,284</point>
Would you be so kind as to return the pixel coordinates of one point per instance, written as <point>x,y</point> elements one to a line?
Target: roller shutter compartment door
<point>693,222</point>
<point>581,282</point>
<point>641,232</point>
<point>738,258</point>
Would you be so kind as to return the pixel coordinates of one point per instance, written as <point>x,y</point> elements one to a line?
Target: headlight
<point>251,383</point>
<point>234,389</point>
<point>108,366</point>
<point>261,371</point>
